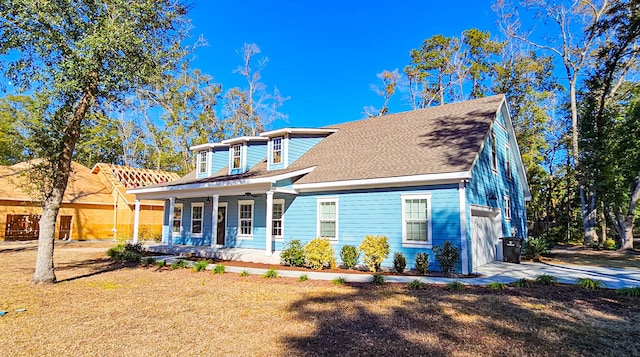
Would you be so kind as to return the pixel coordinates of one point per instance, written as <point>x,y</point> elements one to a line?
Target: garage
<point>486,230</point>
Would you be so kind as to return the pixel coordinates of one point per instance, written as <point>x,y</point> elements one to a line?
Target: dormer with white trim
<point>245,152</point>
<point>286,145</point>
<point>210,158</point>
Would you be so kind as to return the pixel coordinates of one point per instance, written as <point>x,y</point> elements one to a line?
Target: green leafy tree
<point>479,59</point>
<point>78,55</point>
<point>12,141</point>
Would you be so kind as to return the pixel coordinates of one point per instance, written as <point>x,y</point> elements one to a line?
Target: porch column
<point>136,221</point>
<point>172,203</point>
<point>214,223</point>
<point>269,223</point>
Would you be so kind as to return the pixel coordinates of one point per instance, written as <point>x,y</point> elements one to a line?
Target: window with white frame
<point>276,150</point>
<point>176,219</point>
<point>197,212</point>
<point>416,219</point>
<point>494,154</point>
<point>278,219</point>
<point>236,156</point>
<point>245,219</point>
<point>507,208</point>
<point>328,218</point>
<point>202,162</point>
<point>508,161</point>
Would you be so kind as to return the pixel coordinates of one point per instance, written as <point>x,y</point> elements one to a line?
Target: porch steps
<point>237,254</point>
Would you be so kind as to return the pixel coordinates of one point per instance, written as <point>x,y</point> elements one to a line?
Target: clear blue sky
<point>325,54</point>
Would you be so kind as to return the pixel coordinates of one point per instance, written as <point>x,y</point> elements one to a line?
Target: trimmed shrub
<point>318,254</point>
<point>126,253</point>
<point>399,262</point>
<point>422,263</point>
<point>590,284</point>
<point>535,247</point>
<point>338,281</point>
<point>244,273</point>
<point>161,263</point>
<point>271,273</point>
<point>375,250</point>
<point>447,256</point>
<point>349,255</point>
<point>178,265</point>
<point>378,279</point>
<point>522,283</point>
<point>455,285</point>
<point>201,265</point>
<point>219,269</point>
<point>293,254</point>
<point>610,244</point>
<point>546,279</point>
<point>303,277</point>
<point>415,285</point>
<point>496,285</point>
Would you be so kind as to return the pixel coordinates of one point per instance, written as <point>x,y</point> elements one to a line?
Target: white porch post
<point>214,217</point>
<point>269,223</point>
<point>464,249</point>
<point>136,221</point>
<point>172,204</point>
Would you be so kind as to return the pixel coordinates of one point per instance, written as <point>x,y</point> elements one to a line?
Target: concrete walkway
<point>614,278</point>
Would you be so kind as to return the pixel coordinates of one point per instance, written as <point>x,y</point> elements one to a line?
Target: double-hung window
<point>176,219</point>
<point>197,212</point>
<point>278,219</point>
<point>416,220</point>
<point>236,157</point>
<point>328,218</point>
<point>276,150</point>
<point>507,208</point>
<point>245,219</point>
<point>202,162</point>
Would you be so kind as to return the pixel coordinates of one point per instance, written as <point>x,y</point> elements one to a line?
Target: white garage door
<point>485,234</point>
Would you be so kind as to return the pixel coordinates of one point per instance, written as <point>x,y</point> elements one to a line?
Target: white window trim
<point>231,151</point>
<point>280,237</point>
<point>506,209</point>
<point>197,235</point>
<point>272,151</point>
<point>508,165</point>
<point>323,200</point>
<point>410,243</point>
<point>493,152</point>
<point>176,205</point>
<point>201,169</point>
<point>246,236</point>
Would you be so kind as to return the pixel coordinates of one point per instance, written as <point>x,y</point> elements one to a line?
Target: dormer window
<point>276,150</point>
<point>202,162</point>
<point>235,159</point>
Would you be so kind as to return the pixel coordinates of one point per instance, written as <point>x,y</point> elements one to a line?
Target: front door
<point>65,227</point>
<point>222,225</point>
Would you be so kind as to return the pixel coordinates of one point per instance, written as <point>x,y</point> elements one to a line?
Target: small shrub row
<point>126,253</point>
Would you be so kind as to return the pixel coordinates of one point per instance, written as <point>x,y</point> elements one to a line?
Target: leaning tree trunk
<point>45,272</point>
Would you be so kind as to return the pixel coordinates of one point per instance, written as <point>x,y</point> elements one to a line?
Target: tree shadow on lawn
<point>434,321</point>
<point>90,267</point>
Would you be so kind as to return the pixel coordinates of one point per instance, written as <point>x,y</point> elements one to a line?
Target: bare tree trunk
<point>603,224</point>
<point>45,272</point>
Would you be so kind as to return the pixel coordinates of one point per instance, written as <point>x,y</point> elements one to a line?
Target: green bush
<point>293,254</point>
<point>303,277</point>
<point>318,254</point>
<point>630,291</point>
<point>200,266</point>
<point>447,256</point>
<point>375,250</point>
<point>535,247</point>
<point>496,285</point>
<point>589,284</point>
<point>244,273</point>
<point>161,263</point>
<point>378,279</point>
<point>399,262</point>
<point>271,273</point>
<point>546,279</point>
<point>422,263</point>
<point>415,285</point>
<point>610,244</point>
<point>148,261</point>
<point>338,281</point>
<point>178,265</point>
<point>219,269</point>
<point>455,285</point>
<point>522,283</point>
<point>349,255</point>
<point>126,253</point>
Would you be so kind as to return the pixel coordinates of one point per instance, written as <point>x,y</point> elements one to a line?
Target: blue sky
<point>325,54</point>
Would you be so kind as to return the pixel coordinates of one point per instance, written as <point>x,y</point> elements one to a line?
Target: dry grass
<point>580,255</point>
<point>103,309</point>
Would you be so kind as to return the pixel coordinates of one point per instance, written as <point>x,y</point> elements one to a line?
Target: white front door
<point>485,234</point>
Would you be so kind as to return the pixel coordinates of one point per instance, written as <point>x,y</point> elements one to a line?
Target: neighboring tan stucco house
<point>423,177</point>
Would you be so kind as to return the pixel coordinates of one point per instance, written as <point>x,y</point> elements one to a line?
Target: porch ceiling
<point>177,192</point>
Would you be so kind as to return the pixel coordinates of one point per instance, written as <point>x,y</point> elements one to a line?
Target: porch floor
<point>238,254</point>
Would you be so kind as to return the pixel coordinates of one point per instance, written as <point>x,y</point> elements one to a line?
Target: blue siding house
<point>421,178</point>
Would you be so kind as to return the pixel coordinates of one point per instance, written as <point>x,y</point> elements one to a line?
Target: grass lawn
<point>102,309</point>
<point>567,254</point>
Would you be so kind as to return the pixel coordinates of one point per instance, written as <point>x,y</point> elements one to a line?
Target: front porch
<point>235,254</point>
